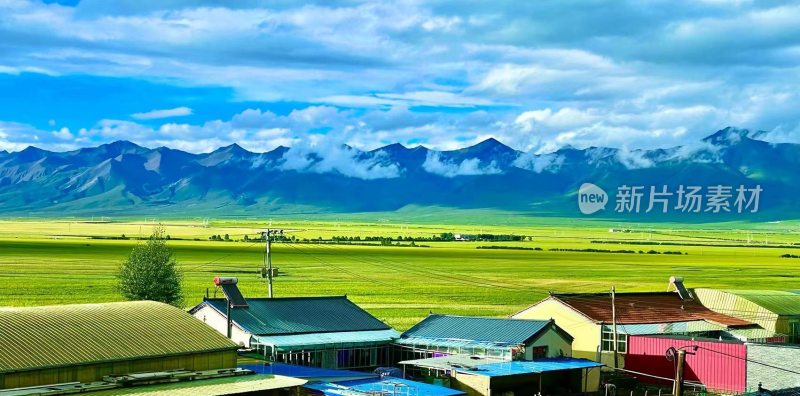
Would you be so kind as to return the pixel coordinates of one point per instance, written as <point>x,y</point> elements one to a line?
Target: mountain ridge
<point>123,177</point>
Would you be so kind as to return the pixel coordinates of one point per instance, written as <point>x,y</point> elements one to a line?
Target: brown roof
<point>635,308</point>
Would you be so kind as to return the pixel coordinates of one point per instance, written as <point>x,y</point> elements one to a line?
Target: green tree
<point>151,273</point>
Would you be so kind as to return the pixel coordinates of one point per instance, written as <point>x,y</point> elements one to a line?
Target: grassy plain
<point>62,261</point>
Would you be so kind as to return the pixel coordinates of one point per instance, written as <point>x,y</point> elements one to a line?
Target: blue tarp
<point>530,367</point>
<point>307,373</point>
<point>389,385</point>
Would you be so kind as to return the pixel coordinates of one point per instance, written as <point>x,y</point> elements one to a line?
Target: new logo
<point>591,198</point>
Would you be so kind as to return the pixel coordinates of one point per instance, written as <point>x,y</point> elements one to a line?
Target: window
<point>794,330</point>
<point>607,344</point>
<point>538,352</point>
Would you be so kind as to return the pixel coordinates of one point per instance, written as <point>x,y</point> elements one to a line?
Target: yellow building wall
<point>555,343</point>
<point>472,385</point>
<point>95,372</point>
<point>585,332</point>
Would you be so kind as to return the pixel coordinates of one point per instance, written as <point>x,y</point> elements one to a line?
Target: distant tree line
<point>625,251</point>
<point>383,240</point>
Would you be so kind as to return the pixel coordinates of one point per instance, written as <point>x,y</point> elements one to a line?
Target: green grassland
<point>63,261</point>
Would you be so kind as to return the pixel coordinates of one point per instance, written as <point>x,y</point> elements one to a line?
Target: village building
<point>590,319</point>
<point>777,312</point>
<point>498,338</point>
<point>483,356</point>
<point>103,348</point>
<point>328,332</point>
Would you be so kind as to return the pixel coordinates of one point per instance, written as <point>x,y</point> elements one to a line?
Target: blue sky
<point>538,75</point>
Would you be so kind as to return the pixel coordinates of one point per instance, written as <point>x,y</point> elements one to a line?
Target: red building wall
<point>646,354</point>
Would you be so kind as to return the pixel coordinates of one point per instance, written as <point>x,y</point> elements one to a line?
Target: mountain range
<point>124,179</point>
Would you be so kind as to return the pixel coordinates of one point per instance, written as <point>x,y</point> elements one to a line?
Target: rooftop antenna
<point>266,270</point>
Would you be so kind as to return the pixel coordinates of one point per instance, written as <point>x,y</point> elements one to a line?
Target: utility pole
<point>614,323</point>
<point>677,388</point>
<point>266,271</point>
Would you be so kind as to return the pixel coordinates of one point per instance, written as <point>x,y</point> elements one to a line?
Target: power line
<point>337,267</point>
<point>459,278</point>
<point>194,268</point>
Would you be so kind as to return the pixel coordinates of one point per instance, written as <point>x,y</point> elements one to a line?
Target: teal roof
<point>344,339</point>
<point>494,330</point>
<point>299,315</point>
<point>776,301</point>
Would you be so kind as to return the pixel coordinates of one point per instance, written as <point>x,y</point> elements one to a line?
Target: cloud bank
<point>535,75</point>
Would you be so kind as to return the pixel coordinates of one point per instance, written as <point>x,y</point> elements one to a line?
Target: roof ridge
<point>83,305</point>
<point>342,297</point>
<point>489,318</point>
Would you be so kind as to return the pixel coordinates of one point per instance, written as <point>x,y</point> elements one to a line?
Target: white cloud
<point>634,159</point>
<point>164,113</point>
<point>328,154</point>
<point>63,134</point>
<point>468,167</point>
<point>539,163</point>
<point>415,98</point>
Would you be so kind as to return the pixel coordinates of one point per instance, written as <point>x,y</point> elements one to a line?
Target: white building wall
<point>217,321</point>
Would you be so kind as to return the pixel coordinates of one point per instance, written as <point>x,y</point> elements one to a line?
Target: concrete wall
<point>787,357</point>
<point>217,321</point>
<point>95,372</point>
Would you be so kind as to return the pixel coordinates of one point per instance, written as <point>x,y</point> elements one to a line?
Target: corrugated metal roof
<point>212,387</point>
<point>465,364</point>
<point>496,330</point>
<point>644,308</point>
<point>777,301</point>
<point>720,366</point>
<point>40,337</point>
<point>325,340</point>
<point>299,315</point>
<point>667,328</point>
<point>392,386</point>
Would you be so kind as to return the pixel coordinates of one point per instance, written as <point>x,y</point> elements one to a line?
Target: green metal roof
<point>65,335</point>
<point>299,315</point>
<point>495,330</point>
<point>777,301</point>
